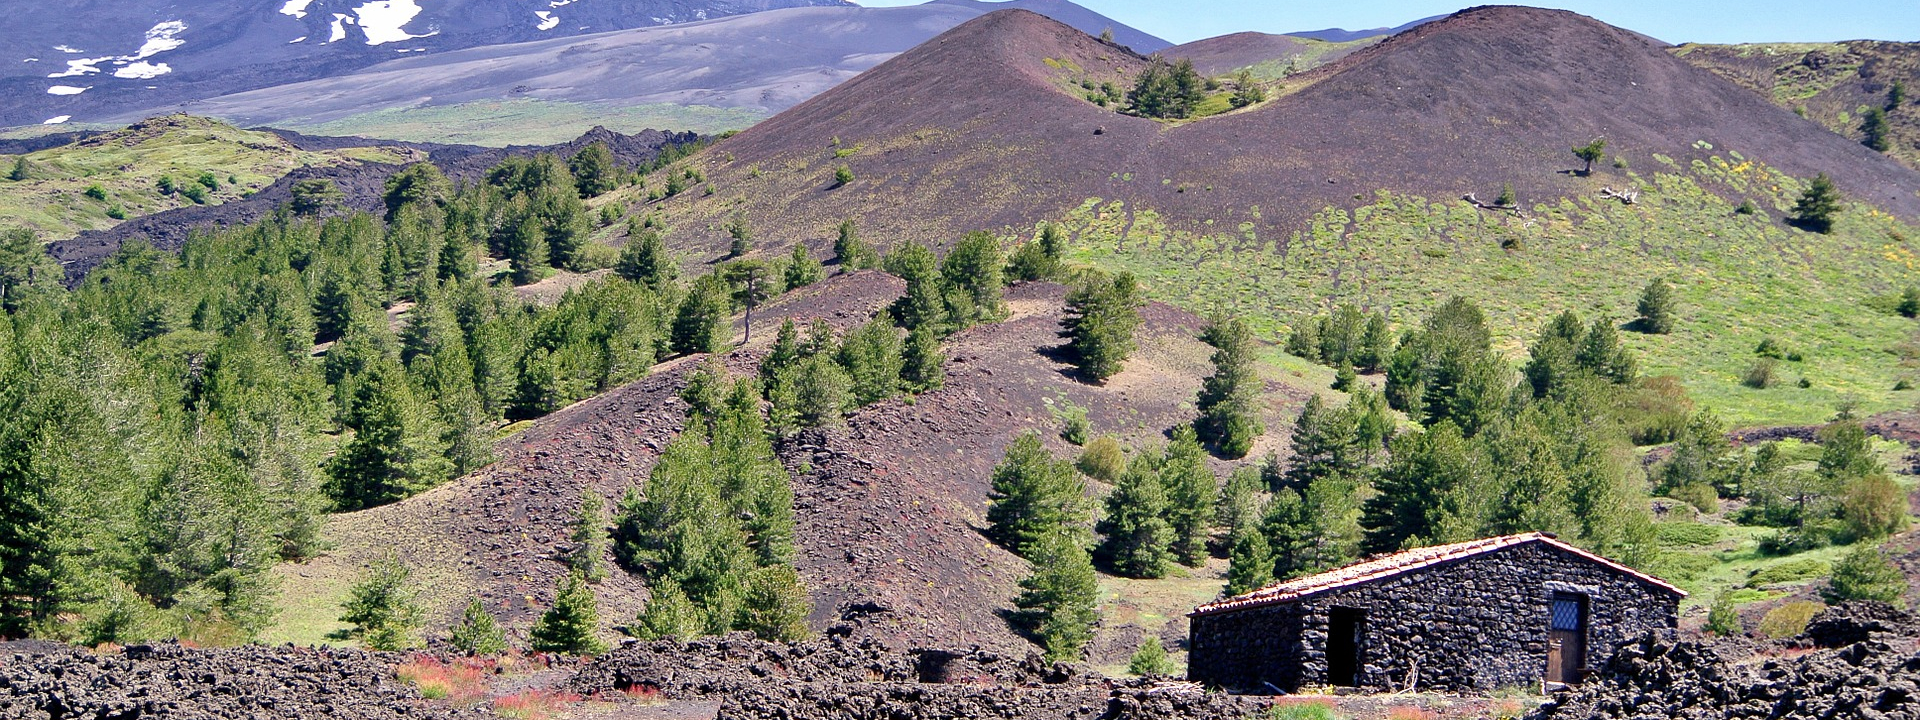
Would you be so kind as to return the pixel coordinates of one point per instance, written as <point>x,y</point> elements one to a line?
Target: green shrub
<point>1688,534</point>
<point>1701,496</point>
<point>1762,374</point>
<point>1790,571</point>
<point>1074,426</point>
<point>116,212</point>
<point>1722,619</point>
<point>1676,565</point>
<point>1103,460</point>
<point>96,192</point>
<point>1150,660</point>
<point>1867,574</point>
<point>1788,620</point>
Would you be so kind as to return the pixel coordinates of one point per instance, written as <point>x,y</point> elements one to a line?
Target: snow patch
<point>57,119</point>
<point>163,37</point>
<point>296,8</point>
<point>561,3</point>
<point>339,28</point>
<point>31,60</point>
<point>547,20</point>
<point>68,50</point>
<point>83,66</point>
<point>143,70</point>
<point>382,20</point>
<point>67,90</point>
<point>300,39</point>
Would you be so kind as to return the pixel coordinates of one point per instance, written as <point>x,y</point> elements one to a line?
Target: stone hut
<point>1494,613</point>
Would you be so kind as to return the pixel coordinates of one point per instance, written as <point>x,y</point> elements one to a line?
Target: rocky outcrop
<point>47,682</point>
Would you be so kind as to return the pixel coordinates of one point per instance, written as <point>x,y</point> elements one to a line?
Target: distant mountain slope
<point>749,66</point>
<point>1829,83</point>
<point>1269,57</point>
<point>149,53</point>
<point>1338,35</point>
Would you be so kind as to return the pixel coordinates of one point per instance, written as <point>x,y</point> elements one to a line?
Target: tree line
<point>176,424</point>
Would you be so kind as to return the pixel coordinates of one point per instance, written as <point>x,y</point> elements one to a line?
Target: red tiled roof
<point>1405,561</point>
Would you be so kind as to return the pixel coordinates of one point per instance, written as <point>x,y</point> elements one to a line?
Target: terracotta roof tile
<point>1406,561</point>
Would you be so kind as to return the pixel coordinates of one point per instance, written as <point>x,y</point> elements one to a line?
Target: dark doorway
<point>1567,638</point>
<point>1346,645</point>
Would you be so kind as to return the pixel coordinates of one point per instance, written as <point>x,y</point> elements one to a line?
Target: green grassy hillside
<point>83,186</point>
<point>1741,278</point>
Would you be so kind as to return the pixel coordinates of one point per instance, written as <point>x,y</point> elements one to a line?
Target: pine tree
<point>1818,206</point>
<point>923,365</point>
<point>478,632</point>
<point>850,251</point>
<point>1590,153</point>
<point>742,237</point>
<point>381,607</point>
<point>646,261</point>
<point>1251,566</point>
<point>25,269</point>
<point>571,626</point>
<point>669,614</point>
<point>1192,493</point>
<point>418,184</point>
<point>1228,400</point>
<point>1150,660</point>
<point>1866,574</point>
<point>699,323</point>
<point>1873,126</point>
<point>750,283</point>
<point>1241,501</point>
<point>1415,493</point>
<point>785,354</point>
<point>872,356</point>
<point>1656,308</point>
<point>389,456</point>
<point>775,607</point>
<point>814,393</point>
<point>588,538</point>
<point>594,170</point>
<point>975,267</point>
<point>1034,495</point>
<point>336,304</point>
<point>924,303</point>
<point>802,270</point>
<point>1102,314</point>
<point>1061,595</point>
<point>527,251</point>
<point>1138,539</point>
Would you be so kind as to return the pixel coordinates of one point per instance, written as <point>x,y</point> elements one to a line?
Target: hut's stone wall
<point>1476,623</point>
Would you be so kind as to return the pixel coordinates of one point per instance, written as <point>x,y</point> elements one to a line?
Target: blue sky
<point>1677,21</point>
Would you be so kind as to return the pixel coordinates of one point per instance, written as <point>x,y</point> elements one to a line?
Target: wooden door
<point>1567,639</point>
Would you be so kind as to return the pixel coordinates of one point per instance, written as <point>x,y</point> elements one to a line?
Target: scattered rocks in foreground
<point>42,682</point>
<point>1876,676</point>
<point>840,678</point>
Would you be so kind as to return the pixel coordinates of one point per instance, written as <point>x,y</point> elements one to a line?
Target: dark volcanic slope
<point>763,62</point>
<point>981,128</point>
<point>153,53</point>
<point>888,507</point>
